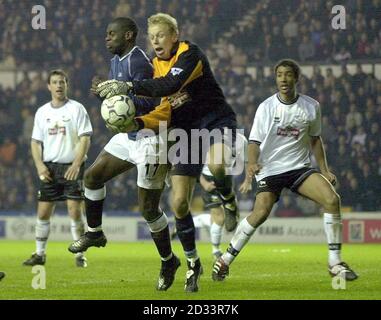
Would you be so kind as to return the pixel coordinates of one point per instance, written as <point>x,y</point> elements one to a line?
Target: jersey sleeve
<point>38,132</point>
<point>151,120</point>
<point>188,67</point>
<point>315,127</point>
<point>258,132</point>
<point>83,122</point>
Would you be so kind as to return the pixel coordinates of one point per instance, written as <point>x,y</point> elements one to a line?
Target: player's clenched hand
<point>253,169</point>
<point>44,173</point>
<point>245,187</point>
<point>72,172</point>
<point>110,88</point>
<point>94,83</point>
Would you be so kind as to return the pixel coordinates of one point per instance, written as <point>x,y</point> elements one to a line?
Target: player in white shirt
<point>60,142</point>
<point>286,128</point>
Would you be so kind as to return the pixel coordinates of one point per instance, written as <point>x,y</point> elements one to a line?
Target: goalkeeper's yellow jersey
<point>189,91</point>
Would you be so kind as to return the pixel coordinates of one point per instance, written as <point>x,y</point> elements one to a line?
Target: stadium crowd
<point>74,40</point>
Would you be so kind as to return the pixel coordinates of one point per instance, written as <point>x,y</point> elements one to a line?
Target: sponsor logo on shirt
<point>288,132</point>
<point>57,130</point>
<point>176,71</point>
<point>178,99</point>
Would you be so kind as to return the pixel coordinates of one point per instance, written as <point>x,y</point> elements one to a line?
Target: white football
<point>118,110</point>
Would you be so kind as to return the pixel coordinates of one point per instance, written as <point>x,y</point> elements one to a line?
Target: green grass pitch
<point>129,271</point>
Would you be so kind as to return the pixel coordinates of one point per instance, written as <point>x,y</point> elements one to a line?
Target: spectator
<point>306,49</point>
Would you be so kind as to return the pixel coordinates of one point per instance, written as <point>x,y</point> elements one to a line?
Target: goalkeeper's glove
<point>110,88</point>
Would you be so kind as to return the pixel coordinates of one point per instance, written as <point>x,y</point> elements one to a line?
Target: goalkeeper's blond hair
<point>163,18</point>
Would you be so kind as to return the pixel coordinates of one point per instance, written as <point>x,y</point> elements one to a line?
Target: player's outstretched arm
<point>110,88</point>
<point>188,68</point>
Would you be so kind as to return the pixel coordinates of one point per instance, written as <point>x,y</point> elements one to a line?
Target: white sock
<point>215,236</point>
<point>95,195</point>
<point>241,237</point>
<point>201,220</point>
<point>42,234</point>
<point>333,229</point>
<point>167,258</point>
<point>77,228</point>
<point>96,229</point>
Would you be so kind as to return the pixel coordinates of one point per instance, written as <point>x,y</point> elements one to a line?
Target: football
<point>118,111</point>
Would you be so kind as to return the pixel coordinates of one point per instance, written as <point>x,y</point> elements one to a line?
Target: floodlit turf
<point>129,271</point>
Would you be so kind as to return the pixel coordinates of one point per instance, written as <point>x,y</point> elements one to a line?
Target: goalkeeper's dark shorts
<point>191,151</point>
<point>61,189</point>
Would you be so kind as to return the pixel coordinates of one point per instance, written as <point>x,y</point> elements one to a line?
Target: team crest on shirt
<point>176,71</point>
<point>288,131</point>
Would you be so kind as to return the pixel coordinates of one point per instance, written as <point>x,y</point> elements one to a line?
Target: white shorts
<point>144,154</point>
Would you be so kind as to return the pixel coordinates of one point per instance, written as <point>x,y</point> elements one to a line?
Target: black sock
<point>94,210</point>
<point>162,242</point>
<point>186,233</point>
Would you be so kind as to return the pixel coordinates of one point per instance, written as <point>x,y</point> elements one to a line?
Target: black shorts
<point>198,149</point>
<point>61,189</point>
<point>290,179</point>
<point>211,199</point>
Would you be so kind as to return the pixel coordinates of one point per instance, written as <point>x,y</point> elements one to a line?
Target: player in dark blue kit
<point>125,151</point>
<point>193,101</point>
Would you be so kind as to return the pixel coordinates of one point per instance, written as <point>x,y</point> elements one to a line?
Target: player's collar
<point>57,107</point>
<point>127,54</point>
<point>288,103</point>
